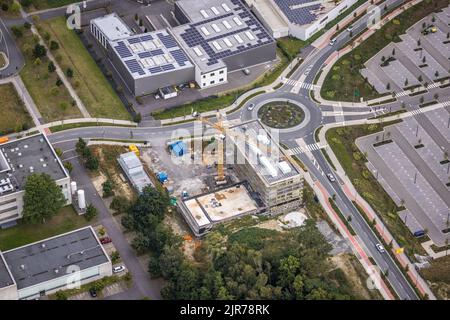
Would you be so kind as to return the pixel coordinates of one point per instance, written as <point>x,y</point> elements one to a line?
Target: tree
<point>108,189</point>
<point>92,162</point>
<point>54,45</point>
<point>138,117</point>
<point>15,7</point>
<point>115,257</point>
<point>69,166</point>
<point>80,146</point>
<point>69,73</point>
<point>39,51</point>
<point>43,198</point>
<point>17,31</point>
<point>59,82</point>
<point>51,67</point>
<point>91,212</point>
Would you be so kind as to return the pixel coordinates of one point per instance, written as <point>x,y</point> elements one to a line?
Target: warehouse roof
<point>151,53</point>
<point>20,158</point>
<point>218,29</point>
<point>50,258</point>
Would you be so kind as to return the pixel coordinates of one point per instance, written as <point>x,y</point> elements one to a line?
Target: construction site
<point>238,171</point>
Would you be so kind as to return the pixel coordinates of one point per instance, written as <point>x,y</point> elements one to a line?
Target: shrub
<point>54,45</point>
<point>91,212</point>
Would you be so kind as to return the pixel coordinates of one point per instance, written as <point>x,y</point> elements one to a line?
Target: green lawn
<point>342,141</point>
<point>66,220</point>
<point>344,82</point>
<point>15,117</point>
<point>46,4</point>
<point>53,102</point>
<point>88,80</point>
<point>290,46</point>
<point>2,60</point>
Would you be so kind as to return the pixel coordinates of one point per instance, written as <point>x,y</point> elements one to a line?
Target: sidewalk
<point>336,55</point>
<point>352,193</point>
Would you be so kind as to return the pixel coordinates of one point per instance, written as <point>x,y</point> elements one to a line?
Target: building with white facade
<point>44,267</point>
<point>297,18</point>
<point>19,159</point>
<point>214,37</point>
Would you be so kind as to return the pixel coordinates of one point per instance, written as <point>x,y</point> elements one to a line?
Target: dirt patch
<point>356,275</point>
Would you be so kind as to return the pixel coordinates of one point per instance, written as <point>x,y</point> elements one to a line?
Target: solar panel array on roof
<point>242,18</point>
<point>168,67</point>
<point>179,56</point>
<point>155,69</point>
<point>135,67</point>
<point>122,49</point>
<point>167,40</point>
<point>144,55</point>
<point>297,14</point>
<point>147,37</point>
<point>157,52</point>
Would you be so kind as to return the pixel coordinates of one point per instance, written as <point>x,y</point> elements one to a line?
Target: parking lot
<point>419,58</point>
<point>412,165</point>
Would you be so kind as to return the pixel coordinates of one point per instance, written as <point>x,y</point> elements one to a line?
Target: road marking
<point>310,147</point>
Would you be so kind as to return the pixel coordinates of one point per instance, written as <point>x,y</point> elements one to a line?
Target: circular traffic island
<point>281,114</point>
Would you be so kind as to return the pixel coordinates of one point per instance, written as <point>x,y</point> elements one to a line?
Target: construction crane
<point>222,127</point>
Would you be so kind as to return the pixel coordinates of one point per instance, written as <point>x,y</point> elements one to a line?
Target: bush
<point>51,67</point>
<point>69,73</point>
<point>68,166</point>
<point>119,204</point>
<point>54,45</point>
<point>91,212</point>
<point>115,257</point>
<point>61,295</point>
<point>108,189</point>
<point>17,31</point>
<point>59,82</point>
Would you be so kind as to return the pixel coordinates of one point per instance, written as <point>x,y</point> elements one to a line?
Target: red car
<point>105,240</point>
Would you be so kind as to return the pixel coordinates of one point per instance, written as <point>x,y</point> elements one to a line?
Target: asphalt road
<point>8,46</point>
<point>313,63</point>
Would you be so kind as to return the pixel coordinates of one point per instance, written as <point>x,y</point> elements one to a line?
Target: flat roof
<point>112,26</point>
<point>263,153</point>
<point>5,276</point>
<point>134,170</point>
<point>50,258</point>
<point>218,29</point>
<point>20,158</point>
<point>150,54</point>
<point>221,205</point>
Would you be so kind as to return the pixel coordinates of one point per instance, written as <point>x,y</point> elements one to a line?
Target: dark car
<point>105,240</point>
<point>93,293</point>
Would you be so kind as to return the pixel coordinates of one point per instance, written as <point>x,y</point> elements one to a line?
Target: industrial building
<point>134,170</point>
<point>269,171</point>
<point>214,37</point>
<point>221,36</point>
<point>297,18</point>
<point>19,159</point>
<point>44,267</point>
<point>204,211</point>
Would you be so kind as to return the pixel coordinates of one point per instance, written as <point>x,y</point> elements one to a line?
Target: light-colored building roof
<point>113,27</point>
<point>134,170</point>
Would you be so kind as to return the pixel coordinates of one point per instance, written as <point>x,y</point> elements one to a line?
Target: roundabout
<point>281,114</point>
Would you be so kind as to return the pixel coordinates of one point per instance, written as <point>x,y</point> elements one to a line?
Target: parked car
<point>246,71</point>
<point>93,293</point>
<point>118,269</point>
<point>380,248</point>
<point>331,177</point>
<point>157,96</point>
<point>350,28</point>
<point>251,106</point>
<point>332,41</point>
<point>105,240</point>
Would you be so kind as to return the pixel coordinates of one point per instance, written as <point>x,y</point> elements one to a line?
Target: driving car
<point>350,28</point>
<point>251,106</point>
<point>331,177</point>
<point>380,248</point>
<point>332,41</point>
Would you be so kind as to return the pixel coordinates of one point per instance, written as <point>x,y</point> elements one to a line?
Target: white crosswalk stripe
<point>300,85</point>
<point>310,147</point>
<point>416,112</point>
